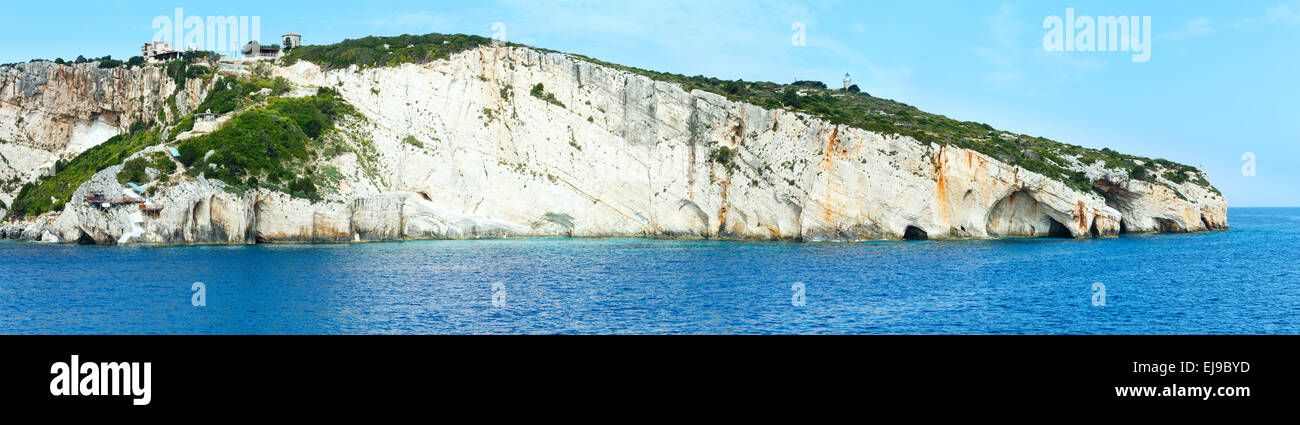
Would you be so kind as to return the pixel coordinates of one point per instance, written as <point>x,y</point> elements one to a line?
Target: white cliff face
<point>460,149</point>
<point>50,112</point>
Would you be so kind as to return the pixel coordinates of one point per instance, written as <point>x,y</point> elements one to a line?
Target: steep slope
<point>499,141</point>
<point>51,112</point>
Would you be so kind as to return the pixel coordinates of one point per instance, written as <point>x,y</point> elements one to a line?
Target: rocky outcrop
<point>460,149</point>
<point>50,111</point>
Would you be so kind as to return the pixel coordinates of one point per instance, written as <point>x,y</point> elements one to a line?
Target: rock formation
<point>50,111</point>
<point>458,148</point>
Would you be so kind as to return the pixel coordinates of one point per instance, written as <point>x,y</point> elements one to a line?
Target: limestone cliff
<point>50,112</point>
<point>459,148</point>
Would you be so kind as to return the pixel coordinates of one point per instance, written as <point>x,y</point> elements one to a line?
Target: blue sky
<point>1221,80</point>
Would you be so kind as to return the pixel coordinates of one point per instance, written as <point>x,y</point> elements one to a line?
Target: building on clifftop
<point>254,50</point>
<point>290,41</point>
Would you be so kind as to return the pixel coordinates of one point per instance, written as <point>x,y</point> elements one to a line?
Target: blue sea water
<point>1246,280</point>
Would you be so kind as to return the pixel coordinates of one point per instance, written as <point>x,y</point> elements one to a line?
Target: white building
<point>290,41</point>
<point>159,51</point>
<point>206,122</point>
<point>154,48</point>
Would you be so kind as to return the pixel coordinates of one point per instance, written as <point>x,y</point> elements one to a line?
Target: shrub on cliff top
<point>230,94</point>
<point>134,171</point>
<point>386,51</point>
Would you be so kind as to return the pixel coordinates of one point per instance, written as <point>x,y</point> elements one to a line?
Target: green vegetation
<point>288,122</point>
<point>573,140</point>
<point>34,198</point>
<point>724,156</point>
<point>411,140</point>
<point>809,84</point>
<point>181,70</point>
<point>185,124</point>
<point>106,62</point>
<point>268,145</point>
<point>162,161</point>
<point>230,94</point>
<point>133,171</point>
<point>539,91</point>
<point>386,51</point>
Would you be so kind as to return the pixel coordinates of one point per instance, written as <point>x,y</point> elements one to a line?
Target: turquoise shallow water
<point>1246,280</point>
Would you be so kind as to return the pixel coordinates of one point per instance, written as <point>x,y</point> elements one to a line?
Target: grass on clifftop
<point>386,51</point>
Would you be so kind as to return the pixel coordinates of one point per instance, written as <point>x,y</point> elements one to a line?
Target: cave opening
<point>1206,223</point>
<point>914,233</point>
<point>1120,199</point>
<point>257,219</point>
<point>1057,230</point>
<point>85,239</point>
<point>1093,230</point>
<point>1019,215</point>
<point>1167,225</point>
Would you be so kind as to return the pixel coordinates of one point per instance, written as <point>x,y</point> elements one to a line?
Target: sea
<point>1242,281</point>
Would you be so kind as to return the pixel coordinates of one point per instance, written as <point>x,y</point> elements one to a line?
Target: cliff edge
<point>512,141</point>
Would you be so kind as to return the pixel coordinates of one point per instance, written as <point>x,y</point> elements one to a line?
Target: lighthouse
<point>847,81</point>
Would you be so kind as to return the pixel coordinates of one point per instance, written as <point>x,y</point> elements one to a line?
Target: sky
<point>1220,85</point>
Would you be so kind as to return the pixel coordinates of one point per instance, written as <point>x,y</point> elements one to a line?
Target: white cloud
<point>1199,27</point>
<point>1285,13</point>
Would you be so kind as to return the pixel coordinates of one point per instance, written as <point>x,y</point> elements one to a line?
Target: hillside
<point>450,136</point>
<point>1050,158</point>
